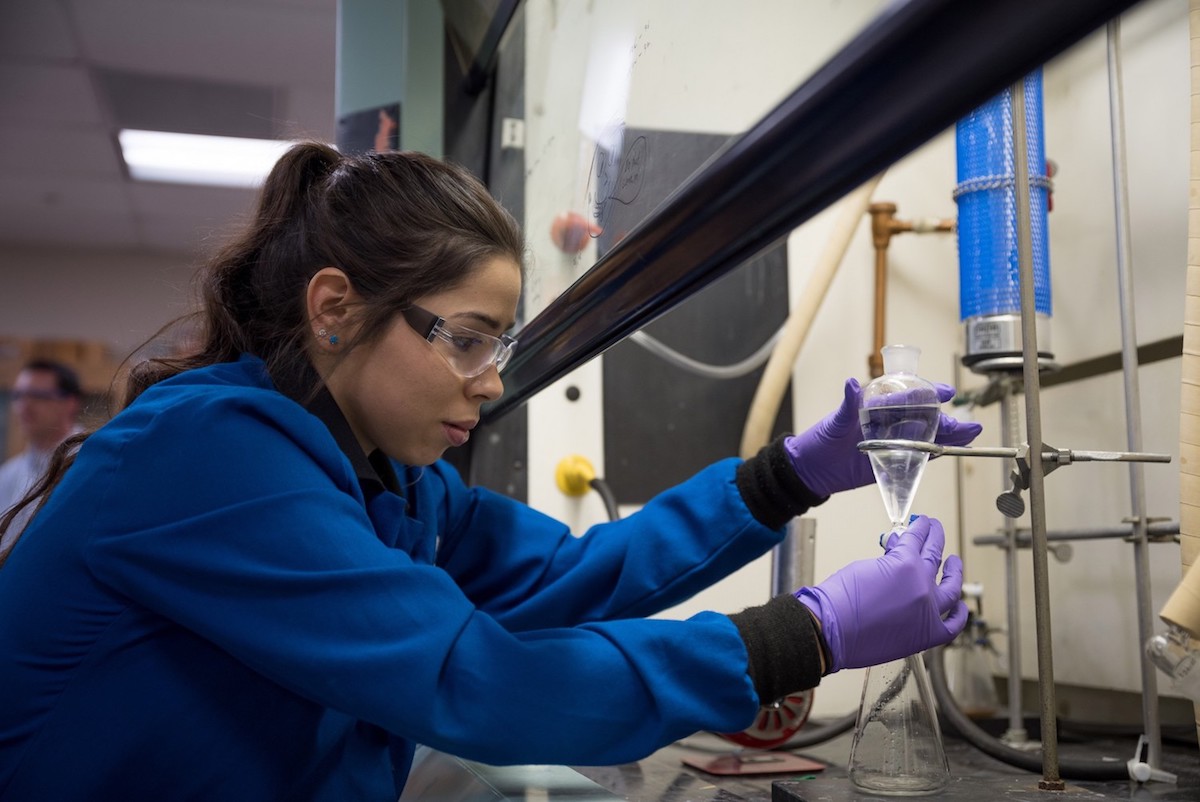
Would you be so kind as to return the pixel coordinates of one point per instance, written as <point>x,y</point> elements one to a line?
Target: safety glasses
<point>37,395</point>
<point>466,351</point>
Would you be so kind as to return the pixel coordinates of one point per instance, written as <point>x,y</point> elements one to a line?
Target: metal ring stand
<point>1030,472</point>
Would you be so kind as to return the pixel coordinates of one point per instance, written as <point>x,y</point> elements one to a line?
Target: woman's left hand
<point>827,459</point>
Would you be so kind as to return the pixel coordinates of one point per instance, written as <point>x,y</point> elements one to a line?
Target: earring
<point>333,338</point>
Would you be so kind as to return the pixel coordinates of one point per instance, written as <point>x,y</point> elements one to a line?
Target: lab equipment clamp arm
<point>1010,502</point>
<point>1051,457</point>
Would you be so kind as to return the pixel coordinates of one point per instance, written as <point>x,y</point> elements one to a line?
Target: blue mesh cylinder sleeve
<point>989,278</point>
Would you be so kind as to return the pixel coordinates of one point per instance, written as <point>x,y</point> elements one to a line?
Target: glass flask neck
<point>900,358</point>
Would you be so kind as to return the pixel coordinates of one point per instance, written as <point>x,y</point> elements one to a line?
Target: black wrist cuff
<point>784,646</point>
<point>771,488</point>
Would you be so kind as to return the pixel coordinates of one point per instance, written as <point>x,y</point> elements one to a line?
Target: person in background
<point>260,580</point>
<point>47,399</point>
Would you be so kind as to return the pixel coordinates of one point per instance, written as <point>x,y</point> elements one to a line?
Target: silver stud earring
<point>333,338</point>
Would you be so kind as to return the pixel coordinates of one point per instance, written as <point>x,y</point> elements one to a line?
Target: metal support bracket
<point>1010,502</point>
<point>1152,537</point>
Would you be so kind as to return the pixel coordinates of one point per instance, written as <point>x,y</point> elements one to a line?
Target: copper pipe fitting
<point>884,226</point>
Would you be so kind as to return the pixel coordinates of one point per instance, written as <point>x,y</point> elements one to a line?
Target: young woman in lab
<point>259,581</point>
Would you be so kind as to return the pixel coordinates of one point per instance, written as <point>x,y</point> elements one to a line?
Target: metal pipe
<point>906,77</point>
<point>1051,779</point>
<point>1133,404</point>
<point>1158,532</point>
<point>881,235</point>
<point>884,226</point>
<point>793,561</point>
<point>960,515</point>
<point>1016,716</point>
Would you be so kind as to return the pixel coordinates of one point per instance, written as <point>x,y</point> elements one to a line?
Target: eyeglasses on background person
<point>466,351</point>
<point>37,395</point>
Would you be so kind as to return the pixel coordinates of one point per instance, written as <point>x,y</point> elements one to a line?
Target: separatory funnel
<point>897,747</point>
<point>899,405</point>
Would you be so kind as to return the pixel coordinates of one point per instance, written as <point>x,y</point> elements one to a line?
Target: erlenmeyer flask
<point>897,747</point>
<point>899,405</point>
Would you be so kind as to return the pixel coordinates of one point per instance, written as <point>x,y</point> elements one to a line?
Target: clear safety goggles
<point>467,352</point>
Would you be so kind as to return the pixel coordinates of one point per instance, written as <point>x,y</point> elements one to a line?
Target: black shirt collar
<point>374,471</point>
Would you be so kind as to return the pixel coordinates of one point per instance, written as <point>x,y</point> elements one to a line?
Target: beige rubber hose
<point>774,383</point>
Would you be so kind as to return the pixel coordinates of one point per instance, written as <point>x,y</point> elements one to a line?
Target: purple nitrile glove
<point>875,611</point>
<point>827,459</point>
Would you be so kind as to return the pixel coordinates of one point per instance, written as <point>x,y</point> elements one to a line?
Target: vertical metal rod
<point>1016,718</point>
<point>793,561</point>
<point>959,501</point>
<point>1051,781</point>
<point>1133,404</point>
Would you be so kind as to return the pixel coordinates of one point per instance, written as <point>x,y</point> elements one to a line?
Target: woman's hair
<point>400,225</point>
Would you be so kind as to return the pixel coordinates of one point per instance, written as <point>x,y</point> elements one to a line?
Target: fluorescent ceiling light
<point>225,161</point>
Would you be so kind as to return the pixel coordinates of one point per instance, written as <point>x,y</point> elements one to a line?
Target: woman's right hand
<point>875,611</point>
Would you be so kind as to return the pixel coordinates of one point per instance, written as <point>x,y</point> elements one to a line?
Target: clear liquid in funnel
<point>898,471</point>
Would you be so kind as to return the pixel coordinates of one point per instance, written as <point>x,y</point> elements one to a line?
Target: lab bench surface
<point>665,777</point>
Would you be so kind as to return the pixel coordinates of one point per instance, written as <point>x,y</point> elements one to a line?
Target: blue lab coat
<point>214,604</point>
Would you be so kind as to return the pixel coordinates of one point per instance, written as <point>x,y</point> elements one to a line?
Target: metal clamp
<point>1153,537</point>
<point>1010,502</point>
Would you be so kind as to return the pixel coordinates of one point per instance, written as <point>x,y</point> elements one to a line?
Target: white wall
<point>120,298</point>
<point>710,68</point>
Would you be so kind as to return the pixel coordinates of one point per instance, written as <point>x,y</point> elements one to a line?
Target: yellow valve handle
<point>574,475</point>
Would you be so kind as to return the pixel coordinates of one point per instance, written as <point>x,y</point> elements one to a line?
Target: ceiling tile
<point>36,29</point>
<point>63,211</point>
<point>33,150</point>
<point>221,42</point>
<point>183,235</point>
<point>80,195</point>
<point>178,217</point>
<point>187,105</point>
<point>48,93</point>
<point>201,203</point>
<point>60,227</point>
<point>64,182</point>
